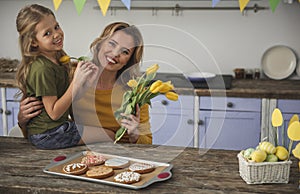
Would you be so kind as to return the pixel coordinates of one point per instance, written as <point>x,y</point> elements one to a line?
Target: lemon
<point>281,153</point>
<point>259,155</point>
<point>267,147</point>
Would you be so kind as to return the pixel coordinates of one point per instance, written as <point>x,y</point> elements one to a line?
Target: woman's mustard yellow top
<point>96,108</point>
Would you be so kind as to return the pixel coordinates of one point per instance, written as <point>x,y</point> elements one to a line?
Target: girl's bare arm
<point>56,107</point>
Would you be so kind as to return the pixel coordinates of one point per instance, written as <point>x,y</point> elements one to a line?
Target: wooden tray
<point>162,171</point>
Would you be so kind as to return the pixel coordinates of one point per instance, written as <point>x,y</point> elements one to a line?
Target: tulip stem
<point>282,136</point>
<point>290,148</point>
<point>277,136</point>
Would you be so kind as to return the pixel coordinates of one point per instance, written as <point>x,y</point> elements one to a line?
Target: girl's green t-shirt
<point>46,78</point>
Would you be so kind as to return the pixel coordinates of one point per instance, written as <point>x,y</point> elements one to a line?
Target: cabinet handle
<point>229,104</point>
<point>1,110</point>
<point>164,102</point>
<point>7,112</point>
<point>190,121</point>
<point>200,122</point>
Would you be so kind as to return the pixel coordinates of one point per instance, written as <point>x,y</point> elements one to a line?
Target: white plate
<point>200,76</point>
<point>278,62</point>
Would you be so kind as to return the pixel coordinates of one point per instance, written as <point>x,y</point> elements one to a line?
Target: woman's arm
<point>30,107</point>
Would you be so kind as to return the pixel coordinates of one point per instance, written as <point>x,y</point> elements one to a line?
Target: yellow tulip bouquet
<point>140,93</point>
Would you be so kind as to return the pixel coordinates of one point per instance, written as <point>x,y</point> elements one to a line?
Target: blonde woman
<point>117,52</point>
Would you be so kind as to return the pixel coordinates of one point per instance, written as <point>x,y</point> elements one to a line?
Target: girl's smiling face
<point>116,51</point>
<point>49,36</point>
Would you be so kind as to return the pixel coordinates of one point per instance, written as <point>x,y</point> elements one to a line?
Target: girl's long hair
<point>134,61</point>
<point>26,22</point>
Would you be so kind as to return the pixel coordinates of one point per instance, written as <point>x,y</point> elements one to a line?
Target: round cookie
<point>93,159</point>
<point>75,168</point>
<point>127,177</point>
<point>117,163</point>
<point>100,172</point>
<point>141,168</point>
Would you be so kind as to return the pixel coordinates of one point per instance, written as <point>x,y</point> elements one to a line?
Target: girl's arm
<point>56,107</point>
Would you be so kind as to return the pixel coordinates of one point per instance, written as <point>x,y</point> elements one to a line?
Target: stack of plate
<point>279,62</point>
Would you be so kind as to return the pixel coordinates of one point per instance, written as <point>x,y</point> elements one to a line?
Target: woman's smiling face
<point>116,51</point>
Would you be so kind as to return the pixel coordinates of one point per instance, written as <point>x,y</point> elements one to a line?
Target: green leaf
<point>126,97</point>
<point>118,112</point>
<point>119,134</point>
<point>150,77</point>
<point>128,109</point>
<point>83,58</point>
<point>142,96</point>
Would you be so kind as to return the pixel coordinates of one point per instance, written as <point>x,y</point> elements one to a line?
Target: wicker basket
<point>264,172</point>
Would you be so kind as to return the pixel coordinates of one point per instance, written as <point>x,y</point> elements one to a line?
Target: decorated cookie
<point>75,168</point>
<point>100,172</point>
<point>141,168</point>
<point>117,163</point>
<point>127,177</point>
<point>93,159</point>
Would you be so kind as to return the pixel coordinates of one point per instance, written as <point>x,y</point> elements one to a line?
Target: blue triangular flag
<point>127,3</point>
<point>215,2</point>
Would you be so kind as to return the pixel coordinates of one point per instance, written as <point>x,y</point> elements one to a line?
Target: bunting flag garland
<point>273,4</point>
<point>243,4</point>
<point>79,5</point>
<point>128,2</point>
<point>215,2</point>
<point>56,4</point>
<point>104,5</point>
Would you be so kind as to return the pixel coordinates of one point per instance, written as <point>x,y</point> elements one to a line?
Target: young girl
<point>41,75</point>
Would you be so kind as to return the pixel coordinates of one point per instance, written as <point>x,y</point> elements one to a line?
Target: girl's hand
<point>131,122</point>
<point>85,76</point>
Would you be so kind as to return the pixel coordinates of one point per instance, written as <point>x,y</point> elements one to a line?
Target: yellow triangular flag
<point>56,4</point>
<point>243,4</point>
<point>104,5</point>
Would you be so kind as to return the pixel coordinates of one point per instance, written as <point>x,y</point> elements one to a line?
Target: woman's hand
<point>131,122</point>
<point>30,107</point>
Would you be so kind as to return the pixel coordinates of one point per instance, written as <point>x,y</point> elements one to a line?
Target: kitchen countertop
<point>261,88</point>
<point>194,171</point>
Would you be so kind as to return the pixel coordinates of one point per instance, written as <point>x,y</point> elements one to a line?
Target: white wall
<point>207,40</point>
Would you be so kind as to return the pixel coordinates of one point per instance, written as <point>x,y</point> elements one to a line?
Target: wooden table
<point>194,171</point>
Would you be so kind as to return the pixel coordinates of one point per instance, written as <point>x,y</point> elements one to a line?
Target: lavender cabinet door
<point>12,114</point>
<point>172,122</point>
<point>172,130</point>
<point>1,115</point>
<point>229,130</point>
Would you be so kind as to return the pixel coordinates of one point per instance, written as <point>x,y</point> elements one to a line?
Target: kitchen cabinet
<point>1,113</point>
<point>229,123</point>
<point>288,108</point>
<point>10,109</point>
<point>172,121</point>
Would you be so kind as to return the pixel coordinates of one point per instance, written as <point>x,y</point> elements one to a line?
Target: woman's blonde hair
<point>131,30</point>
<point>26,22</point>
